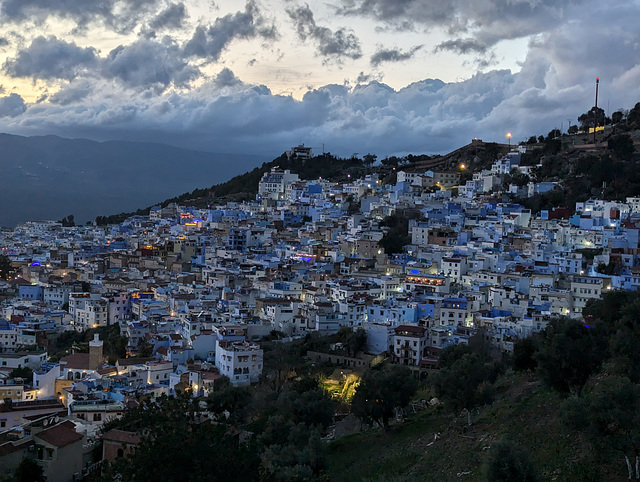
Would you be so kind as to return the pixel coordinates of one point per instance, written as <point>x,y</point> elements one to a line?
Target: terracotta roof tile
<point>60,435</point>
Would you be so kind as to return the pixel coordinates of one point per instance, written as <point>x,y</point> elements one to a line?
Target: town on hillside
<point>96,319</point>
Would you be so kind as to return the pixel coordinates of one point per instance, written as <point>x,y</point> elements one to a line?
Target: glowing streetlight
<point>509,137</point>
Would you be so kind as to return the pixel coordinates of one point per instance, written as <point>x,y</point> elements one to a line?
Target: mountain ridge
<point>49,177</point>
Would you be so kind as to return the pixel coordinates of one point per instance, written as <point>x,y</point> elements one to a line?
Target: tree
<point>622,146</point>
<point>507,463</point>
<point>587,119</point>
<point>390,161</point>
<point>532,140</point>
<point>572,129</point>
<point>552,146</point>
<point>29,471</point>
<point>229,399</point>
<point>634,114</point>
<point>569,353</point>
<point>617,117</point>
<point>524,354</point>
<point>553,134</point>
<point>609,412</point>
<point>6,268</point>
<point>397,236</point>
<point>68,221</point>
<point>353,340</point>
<point>381,392</point>
<point>464,384</point>
<point>369,159</point>
<point>25,373</point>
<point>176,426</point>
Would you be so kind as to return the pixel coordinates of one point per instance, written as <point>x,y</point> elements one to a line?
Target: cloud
<point>462,46</point>
<point>146,63</point>
<point>50,58</point>
<point>392,55</point>
<point>130,94</point>
<point>72,93</point>
<point>487,21</point>
<point>226,78</point>
<point>12,105</point>
<point>3,42</point>
<point>171,18</point>
<point>339,44</point>
<point>209,42</point>
<point>81,11</point>
<point>363,78</point>
<point>120,16</point>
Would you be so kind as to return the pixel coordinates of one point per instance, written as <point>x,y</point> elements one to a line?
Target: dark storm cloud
<point>393,55</point>
<point>50,58</point>
<point>462,46</point>
<point>121,16</point>
<point>488,20</point>
<point>81,11</point>
<point>171,17</point>
<point>555,83</point>
<point>339,44</point>
<point>209,41</point>
<point>149,64</point>
<point>12,106</point>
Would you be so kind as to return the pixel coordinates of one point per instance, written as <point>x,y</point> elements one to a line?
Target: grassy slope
<point>526,414</point>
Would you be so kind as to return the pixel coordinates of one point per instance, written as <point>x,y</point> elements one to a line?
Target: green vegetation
<point>381,392</point>
<point>6,268</point>
<point>25,373</point>
<point>29,471</point>
<point>507,462</point>
<point>397,235</point>
<point>114,345</point>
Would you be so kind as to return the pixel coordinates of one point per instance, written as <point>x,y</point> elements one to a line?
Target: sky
<point>350,76</point>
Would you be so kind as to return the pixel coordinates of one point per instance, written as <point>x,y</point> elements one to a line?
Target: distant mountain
<point>50,177</point>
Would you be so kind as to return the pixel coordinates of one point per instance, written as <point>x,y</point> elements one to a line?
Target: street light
<point>509,137</point>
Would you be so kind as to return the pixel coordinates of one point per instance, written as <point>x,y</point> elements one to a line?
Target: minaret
<point>95,353</point>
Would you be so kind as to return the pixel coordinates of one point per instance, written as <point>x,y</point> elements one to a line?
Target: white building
<point>409,344</point>
<point>87,310</point>
<point>240,361</point>
<point>274,184</point>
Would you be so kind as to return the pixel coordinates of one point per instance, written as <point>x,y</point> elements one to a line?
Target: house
<point>241,362</point>
<point>409,343</point>
<point>58,450</point>
<point>118,443</point>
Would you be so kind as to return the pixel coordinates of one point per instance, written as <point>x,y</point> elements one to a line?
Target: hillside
<point>606,168</point>
<point>526,414</point>
<point>51,177</point>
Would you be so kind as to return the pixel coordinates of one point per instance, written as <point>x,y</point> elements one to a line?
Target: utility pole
<point>595,111</point>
